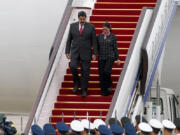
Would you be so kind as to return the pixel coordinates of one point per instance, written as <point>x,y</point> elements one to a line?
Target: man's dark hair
<point>51,134</point>
<point>73,133</point>
<point>92,132</point>
<point>146,133</point>
<point>138,119</point>
<point>178,128</point>
<point>1,128</point>
<point>169,130</point>
<point>67,133</point>
<point>113,121</point>
<point>125,120</point>
<point>82,13</point>
<point>177,123</point>
<point>156,130</point>
<point>77,133</point>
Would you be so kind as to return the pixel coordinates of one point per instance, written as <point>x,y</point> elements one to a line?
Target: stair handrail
<point>136,38</point>
<point>155,41</point>
<point>143,67</point>
<point>171,5</point>
<point>56,44</point>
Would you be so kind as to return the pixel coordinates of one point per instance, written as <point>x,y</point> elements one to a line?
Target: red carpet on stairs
<point>123,16</point>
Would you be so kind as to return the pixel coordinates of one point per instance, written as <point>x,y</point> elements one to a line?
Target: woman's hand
<point>118,62</point>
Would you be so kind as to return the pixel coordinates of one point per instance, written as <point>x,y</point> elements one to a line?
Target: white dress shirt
<point>80,26</point>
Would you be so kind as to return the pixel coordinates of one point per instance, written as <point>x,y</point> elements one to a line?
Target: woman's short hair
<point>156,130</point>
<point>107,25</point>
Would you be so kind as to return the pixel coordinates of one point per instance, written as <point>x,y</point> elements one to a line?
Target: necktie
<point>81,29</point>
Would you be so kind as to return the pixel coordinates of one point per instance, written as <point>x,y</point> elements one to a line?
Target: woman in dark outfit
<point>108,53</point>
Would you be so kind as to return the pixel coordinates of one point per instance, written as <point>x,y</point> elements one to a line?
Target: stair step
<point>117,5</point>
<point>91,84</point>
<point>77,116</point>
<point>118,30</point>
<point>87,99</point>
<point>123,44</point>
<point>114,18</point>
<point>122,56</point>
<point>93,77</point>
<point>115,71</point>
<point>84,105</point>
<point>115,24</point>
<point>121,38</point>
<point>95,64</point>
<point>123,50</point>
<point>92,112</point>
<point>124,37</point>
<point>69,119</point>
<point>94,91</point>
<point>116,12</point>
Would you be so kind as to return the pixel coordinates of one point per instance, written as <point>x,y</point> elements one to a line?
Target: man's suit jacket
<point>80,45</point>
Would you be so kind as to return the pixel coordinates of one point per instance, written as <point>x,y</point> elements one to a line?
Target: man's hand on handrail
<point>67,55</point>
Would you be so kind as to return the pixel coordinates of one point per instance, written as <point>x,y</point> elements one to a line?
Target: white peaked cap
<point>98,122</point>
<point>87,124</point>
<point>84,121</point>
<point>145,127</point>
<point>76,126</point>
<point>168,124</point>
<point>155,123</point>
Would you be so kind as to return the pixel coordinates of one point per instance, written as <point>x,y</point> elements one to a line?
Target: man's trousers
<point>85,69</point>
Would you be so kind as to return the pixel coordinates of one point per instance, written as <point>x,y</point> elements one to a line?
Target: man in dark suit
<point>81,38</point>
